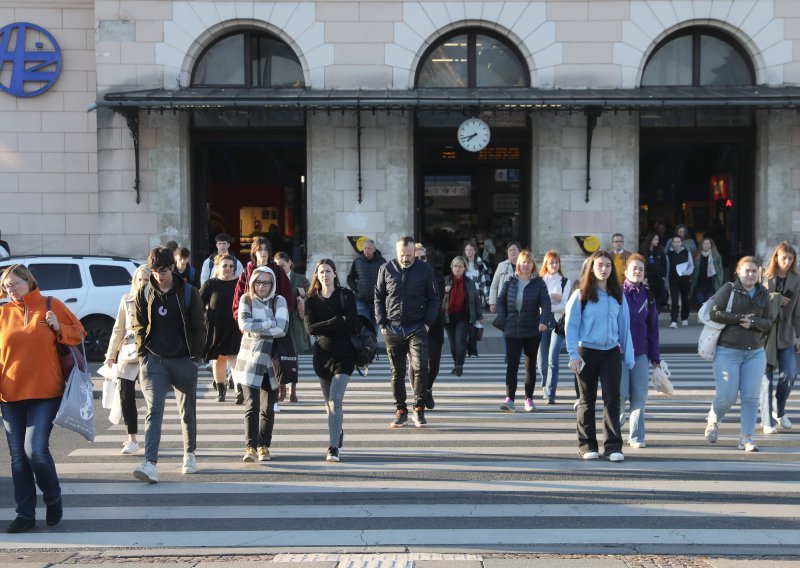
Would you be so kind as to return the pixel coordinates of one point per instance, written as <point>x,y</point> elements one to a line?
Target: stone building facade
<point>68,168</point>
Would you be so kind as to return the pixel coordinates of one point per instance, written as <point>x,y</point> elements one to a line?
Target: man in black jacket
<point>362,278</point>
<point>170,334</point>
<point>406,306</point>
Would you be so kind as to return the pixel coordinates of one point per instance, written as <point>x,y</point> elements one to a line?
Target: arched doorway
<point>472,178</point>
<point>248,167</point>
<point>697,167</point>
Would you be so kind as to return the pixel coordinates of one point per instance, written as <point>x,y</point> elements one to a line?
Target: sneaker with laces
<point>276,408</point>
<point>400,418</point>
<point>783,422</point>
<point>507,405</point>
<point>189,463</point>
<point>418,416</point>
<point>263,454</point>
<point>249,455</point>
<point>333,455</point>
<point>769,429</point>
<point>748,445</point>
<point>712,432</point>
<point>673,325</point>
<point>146,472</point>
<point>529,406</point>
<point>590,455</point>
<point>637,445</point>
<point>685,323</point>
<point>616,457</point>
<point>129,447</point>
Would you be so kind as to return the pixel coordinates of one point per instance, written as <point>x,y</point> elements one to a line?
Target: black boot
<point>429,402</point>
<point>239,394</point>
<point>222,389</point>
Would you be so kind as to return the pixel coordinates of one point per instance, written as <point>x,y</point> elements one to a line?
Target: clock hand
<point>470,137</point>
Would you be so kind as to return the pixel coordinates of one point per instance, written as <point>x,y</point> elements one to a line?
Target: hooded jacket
<point>29,363</point>
<point>644,321</point>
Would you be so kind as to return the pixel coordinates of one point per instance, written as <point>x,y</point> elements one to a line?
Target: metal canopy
<point>513,99</point>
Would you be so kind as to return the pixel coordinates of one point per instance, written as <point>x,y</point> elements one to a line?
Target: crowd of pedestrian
<point>233,316</point>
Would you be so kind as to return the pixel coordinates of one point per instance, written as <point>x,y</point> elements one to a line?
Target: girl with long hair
<point>599,342</point>
<point>707,277</point>
<point>331,315</point>
<point>782,277</point>
<point>559,288</point>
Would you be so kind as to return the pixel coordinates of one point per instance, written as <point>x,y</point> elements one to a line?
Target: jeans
<point>679,289</point>
<point>28,424</point>
<point>127,395</point>
<point>603,367</point>
<point>156,376</point>
<point>333,394</point>
<point>528,345</point>
<point>738,372</point>
<point>702,296</point>
<point>458,335</point>
<point>398,347</point>
<point>435,344</point>
<point>259,415</point>
<point>633,387</point>
<point>787,363</point>
<point>549,352</point>
<point>368,311</point>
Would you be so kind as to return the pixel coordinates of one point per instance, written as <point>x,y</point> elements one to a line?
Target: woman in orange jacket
<point>31,387</point>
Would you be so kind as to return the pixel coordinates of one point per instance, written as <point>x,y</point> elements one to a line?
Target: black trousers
<point>398,348</point>
<point>514,347</point>
<point>127,395</point>
<point>679,289</point>
<point>603,368</point>
<point>259,415</point>
<point>435,345</point>
<point>458,335</point>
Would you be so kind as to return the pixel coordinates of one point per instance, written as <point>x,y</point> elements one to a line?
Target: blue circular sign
<point>34,58</point>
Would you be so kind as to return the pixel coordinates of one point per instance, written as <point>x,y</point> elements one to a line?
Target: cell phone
<point>788,293</point>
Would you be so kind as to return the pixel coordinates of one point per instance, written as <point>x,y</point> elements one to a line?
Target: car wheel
<point>98,334</point>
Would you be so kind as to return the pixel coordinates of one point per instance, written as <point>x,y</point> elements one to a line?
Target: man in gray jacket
<point>406,306</point>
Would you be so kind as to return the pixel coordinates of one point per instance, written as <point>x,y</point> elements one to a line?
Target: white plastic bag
<point>109,388</point>
<point>115,416</point>
<point>659,379</point>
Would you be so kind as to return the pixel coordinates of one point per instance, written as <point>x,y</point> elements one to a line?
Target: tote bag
<point>76,412</point>
<point>709,336</point>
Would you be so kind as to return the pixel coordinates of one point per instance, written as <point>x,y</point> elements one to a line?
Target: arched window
<point>249,59</point>
<point>698,57</point>
<point>472,58</point>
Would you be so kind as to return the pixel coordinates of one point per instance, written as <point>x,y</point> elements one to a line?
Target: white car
<point>90,286</point>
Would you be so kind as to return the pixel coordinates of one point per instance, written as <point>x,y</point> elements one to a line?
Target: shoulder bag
<point>709,336</point>
<point>76,411</point>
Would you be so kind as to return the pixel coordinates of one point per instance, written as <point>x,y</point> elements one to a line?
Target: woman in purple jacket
<point>644,334</point>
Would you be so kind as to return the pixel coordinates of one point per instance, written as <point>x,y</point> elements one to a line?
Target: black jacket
<point>363,276</point>
<point>406,296</point>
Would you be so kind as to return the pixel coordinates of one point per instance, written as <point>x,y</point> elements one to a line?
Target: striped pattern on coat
<point>260,322</point>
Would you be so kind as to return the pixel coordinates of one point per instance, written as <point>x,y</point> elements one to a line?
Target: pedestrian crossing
<point>474,478</point>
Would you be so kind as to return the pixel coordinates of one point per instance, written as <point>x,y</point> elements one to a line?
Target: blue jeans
<point>633,387</point>
<point>368,311</point>
<point>28,424</point>
<point>549,352</point>
<point>738,372</point>
<point>787,364</point>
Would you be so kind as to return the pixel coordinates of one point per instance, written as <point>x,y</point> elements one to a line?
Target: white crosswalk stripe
<point>474,476</point>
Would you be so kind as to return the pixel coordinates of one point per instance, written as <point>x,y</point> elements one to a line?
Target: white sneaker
<point>712,431</point>
<point>277,408</point>
<point>590,455</point>
<point>685,323</point>
<point>748,445</point>
<point>770,429</point>
<point>189,464</point>
<point>673,325</point>
<point>529,406</point>
<point>637,444</point>
<point>129,447</point>
<point>616,457</point>
<point>783,422</point>
<point>146,472</point>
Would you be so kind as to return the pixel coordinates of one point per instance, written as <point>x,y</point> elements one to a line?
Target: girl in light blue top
<point>598,341</point>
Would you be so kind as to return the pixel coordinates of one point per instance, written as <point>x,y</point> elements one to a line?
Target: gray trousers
<point>333,393</point>
<point>156,377</point>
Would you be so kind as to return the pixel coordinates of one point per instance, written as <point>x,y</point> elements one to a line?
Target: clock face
<point>474,134</point>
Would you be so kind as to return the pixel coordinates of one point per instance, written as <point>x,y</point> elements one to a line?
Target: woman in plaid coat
<point>263,316</point>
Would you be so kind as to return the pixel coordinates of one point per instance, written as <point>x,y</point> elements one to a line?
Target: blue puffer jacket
<point>535,307</point>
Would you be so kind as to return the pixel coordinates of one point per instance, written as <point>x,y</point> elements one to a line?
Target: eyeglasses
<point>422,257</point>
<point>262,284</point>
<point>10,285</point>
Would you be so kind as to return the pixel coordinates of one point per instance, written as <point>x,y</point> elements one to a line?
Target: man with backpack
<point>170,334</point>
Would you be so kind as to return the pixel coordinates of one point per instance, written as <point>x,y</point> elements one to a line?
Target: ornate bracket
<point>591,122</point>
<point>131,115</point>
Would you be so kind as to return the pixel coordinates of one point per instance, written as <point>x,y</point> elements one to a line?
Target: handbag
<point>709,336</point>
<point>65,355</point>
<point>364,341</point>
<point>476,332</point>
<point>284,360</point>
<point>76,411</point>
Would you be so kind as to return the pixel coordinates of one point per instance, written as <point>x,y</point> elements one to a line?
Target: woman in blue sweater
<point>524,305</point>
<point>598,339</point>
